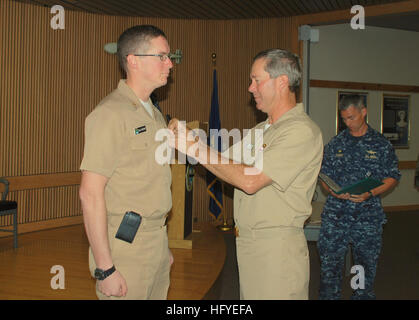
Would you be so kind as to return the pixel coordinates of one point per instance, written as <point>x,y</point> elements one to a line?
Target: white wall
<point>372,55</point>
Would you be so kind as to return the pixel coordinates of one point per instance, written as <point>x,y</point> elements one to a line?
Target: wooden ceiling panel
<point>145,7</point>
<point>283,4</point>
<point>303,5</point>
<point>322,5</point>
<point>295,9</point>
<point>207,9</point>
<point>257,7</point>
<point>241,11</point>
<point>331,4</point>
<point>280,11</point>
<point>203,11</point>
<point>109,7</point>
<point>213,11</point>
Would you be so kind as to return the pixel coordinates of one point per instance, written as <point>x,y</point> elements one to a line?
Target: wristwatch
<point>103,274</point>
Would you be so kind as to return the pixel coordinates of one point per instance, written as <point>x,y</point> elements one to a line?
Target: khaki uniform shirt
<point>120,145</point>
<point>292,152</point>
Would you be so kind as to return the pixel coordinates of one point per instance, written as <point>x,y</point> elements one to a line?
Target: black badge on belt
<point>140,129</point>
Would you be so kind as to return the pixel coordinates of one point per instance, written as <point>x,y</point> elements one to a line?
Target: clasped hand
<point>352,197</point>
<point>182,137</point>
<point>114,285</point>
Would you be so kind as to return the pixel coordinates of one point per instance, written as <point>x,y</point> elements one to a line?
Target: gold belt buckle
<point>236,231</point>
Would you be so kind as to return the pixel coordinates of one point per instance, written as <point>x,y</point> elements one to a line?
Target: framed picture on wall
<point>340,125</point>
<point>395,120</point>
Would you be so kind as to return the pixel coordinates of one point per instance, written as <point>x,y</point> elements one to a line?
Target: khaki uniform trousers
<point>144,263</point>
<point>273,263</point>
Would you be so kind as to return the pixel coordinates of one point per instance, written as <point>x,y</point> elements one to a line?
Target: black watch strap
<point>103,274</point>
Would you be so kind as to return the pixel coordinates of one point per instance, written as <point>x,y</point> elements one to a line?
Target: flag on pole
<point>214,186</point>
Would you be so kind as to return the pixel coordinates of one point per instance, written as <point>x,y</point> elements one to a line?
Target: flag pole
<point>225,226</point>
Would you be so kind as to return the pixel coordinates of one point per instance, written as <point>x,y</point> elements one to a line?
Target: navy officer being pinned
<point>120,174</point>
<point>354,154</point>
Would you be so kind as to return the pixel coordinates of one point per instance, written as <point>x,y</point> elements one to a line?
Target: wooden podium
<point>179,224</point>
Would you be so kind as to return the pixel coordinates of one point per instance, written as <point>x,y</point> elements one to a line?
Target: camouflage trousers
<point>337,231</point>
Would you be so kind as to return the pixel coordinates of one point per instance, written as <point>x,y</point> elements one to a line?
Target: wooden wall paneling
<point>41,181</point>
<point>339,16</point>
<point>51,79</point>
<point>407,165</point>
<point>45,204</point>
<point>363,86</point>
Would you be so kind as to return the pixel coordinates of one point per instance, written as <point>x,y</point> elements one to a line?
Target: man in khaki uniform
<point>270,207</point>
<point>120,174</point>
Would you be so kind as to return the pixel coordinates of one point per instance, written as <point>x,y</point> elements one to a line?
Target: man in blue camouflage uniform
<point>356,153</point>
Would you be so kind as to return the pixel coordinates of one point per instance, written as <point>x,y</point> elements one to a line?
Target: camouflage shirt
<point>348,159</point>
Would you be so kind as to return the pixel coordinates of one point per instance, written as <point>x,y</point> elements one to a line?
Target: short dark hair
<point>355,100</point>
<point>136,38</point>
<point>278,62</point>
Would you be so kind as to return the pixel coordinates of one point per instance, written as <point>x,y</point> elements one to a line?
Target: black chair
<point>7,208</point>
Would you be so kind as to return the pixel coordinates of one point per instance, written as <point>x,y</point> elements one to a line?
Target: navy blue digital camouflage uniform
<point>348,159</point>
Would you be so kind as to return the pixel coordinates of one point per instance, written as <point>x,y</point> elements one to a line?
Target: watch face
<point>99,274</point>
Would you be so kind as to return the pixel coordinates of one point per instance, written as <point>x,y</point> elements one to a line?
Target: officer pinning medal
<point>273,192</point>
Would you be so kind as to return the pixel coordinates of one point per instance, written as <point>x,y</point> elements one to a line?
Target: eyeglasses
<point>163,57</point>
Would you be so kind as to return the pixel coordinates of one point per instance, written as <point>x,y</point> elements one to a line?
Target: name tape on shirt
<point>140,130</point>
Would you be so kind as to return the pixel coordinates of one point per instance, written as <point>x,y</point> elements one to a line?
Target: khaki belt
<point>152,224</point>
<point>265,232</point>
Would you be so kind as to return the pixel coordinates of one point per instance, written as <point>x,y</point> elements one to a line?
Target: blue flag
<point>214,186</point>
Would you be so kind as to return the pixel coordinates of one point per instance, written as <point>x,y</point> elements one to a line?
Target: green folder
<point>358,187</point>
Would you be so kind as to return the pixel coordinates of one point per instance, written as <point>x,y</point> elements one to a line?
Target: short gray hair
<point>135,39</point>
<point>282,62</point>
<point>354,100</point>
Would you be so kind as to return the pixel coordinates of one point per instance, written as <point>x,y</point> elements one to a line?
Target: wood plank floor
<point>25,273</point>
